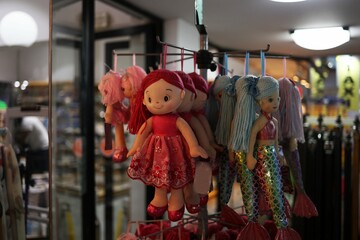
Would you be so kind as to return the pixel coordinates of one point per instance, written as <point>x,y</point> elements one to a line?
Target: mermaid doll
<point>290,133</point>
<point>254,141</point>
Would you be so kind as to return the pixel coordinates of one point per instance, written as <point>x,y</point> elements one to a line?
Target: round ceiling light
<point>18,29</point>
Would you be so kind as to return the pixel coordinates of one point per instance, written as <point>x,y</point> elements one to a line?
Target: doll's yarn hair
<point>141,114</point>
<point>136,74</point>
<point>110,88</point>
<point>290,112</point>
<point>212,105</point>
<point>200,83</point>
<point>249,90</point>
<point>187,81</point>
<point>227,107</point>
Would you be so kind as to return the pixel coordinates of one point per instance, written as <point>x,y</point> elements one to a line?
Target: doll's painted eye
<point>271,100</point>
<point>149,100</point>
<point>166,98</point>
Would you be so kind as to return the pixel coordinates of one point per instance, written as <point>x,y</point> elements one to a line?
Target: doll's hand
<point>108,114</point>
<point>250,161</point>
<point>217,147</point>
<point>211,152</point>
<point>132,151</point>
<point>196,151</point>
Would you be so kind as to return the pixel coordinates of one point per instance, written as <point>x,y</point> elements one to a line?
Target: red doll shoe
<point>176,215</point>
<point>156,212</point>
<point>192,208</point>
<point>203,200</point>
<point>120,155</point>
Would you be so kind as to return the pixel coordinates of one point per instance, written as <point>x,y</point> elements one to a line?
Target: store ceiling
<point>233,24</point>
<point>252,24</point>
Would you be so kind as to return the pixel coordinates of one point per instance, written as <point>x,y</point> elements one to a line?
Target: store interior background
<point>231,25</point>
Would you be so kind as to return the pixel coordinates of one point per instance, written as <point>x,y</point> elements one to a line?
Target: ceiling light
<point>321,38</point>
<point>18,29</point>
<point>288,0</point>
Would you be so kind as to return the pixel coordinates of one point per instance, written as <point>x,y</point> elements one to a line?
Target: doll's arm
<point>250,159</point>
<point>108,113</point>
<point>280,157</point>
<point>195,149</point>
<point>206,125</point>
<point>142,134</point>
<point>202,137</point>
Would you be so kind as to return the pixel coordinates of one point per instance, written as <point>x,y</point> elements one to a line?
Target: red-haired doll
<point>165,143</point>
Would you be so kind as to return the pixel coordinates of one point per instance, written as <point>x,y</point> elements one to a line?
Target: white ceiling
<point>231,24</point>
<point>252,24</point>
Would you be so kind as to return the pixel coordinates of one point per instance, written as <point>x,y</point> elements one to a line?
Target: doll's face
<point>187,102</point>
<point>162,97</point>
<point>200,101</point>
<point>126,86</point>
<point>270,104</point>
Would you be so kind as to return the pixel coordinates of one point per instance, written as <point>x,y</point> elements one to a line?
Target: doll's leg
<point>226,177</point>
<point>192,199</point>
<point>176,205</point>
<point>303,206</point>
<point>248,188</point>
<point>252,230</point>
<point>292,157</point>
<point>158,205</point>
<point>108,114</point>
<point>268,172</point>
<point>120,145</point>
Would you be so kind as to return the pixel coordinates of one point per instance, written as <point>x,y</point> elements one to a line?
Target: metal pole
<point>87,121</point>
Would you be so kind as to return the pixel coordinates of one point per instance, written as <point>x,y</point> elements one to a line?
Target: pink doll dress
<point>164,160</point>
<point>111,93</point>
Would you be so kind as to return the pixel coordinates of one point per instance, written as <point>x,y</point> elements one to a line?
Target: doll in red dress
<point>184,110</point>
<point>198,111</point>
<point>165,143</point>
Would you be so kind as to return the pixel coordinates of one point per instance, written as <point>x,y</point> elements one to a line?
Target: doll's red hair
<point>140,113</point>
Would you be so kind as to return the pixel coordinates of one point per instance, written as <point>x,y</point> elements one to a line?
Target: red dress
<point>163,160</point>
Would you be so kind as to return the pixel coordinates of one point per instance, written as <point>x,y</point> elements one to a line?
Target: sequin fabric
<point>248,187</point>
<point>164,160</point>
<point>268,175</point>
<point>226,177</point>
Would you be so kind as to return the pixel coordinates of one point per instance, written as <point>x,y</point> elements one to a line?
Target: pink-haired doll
<point>165,143</point>
<point>116,112</point>
<point>130,84</point>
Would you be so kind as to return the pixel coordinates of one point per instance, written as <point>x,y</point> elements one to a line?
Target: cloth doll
<point>198,108</point>
<point>223,90</point>
<point>164,145</point>
<point>290,132</point>
<point>198,111</point>
<point>184,110</point>
<point>116,112</point>
<point>130,84</point>
<point>254,140</point>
